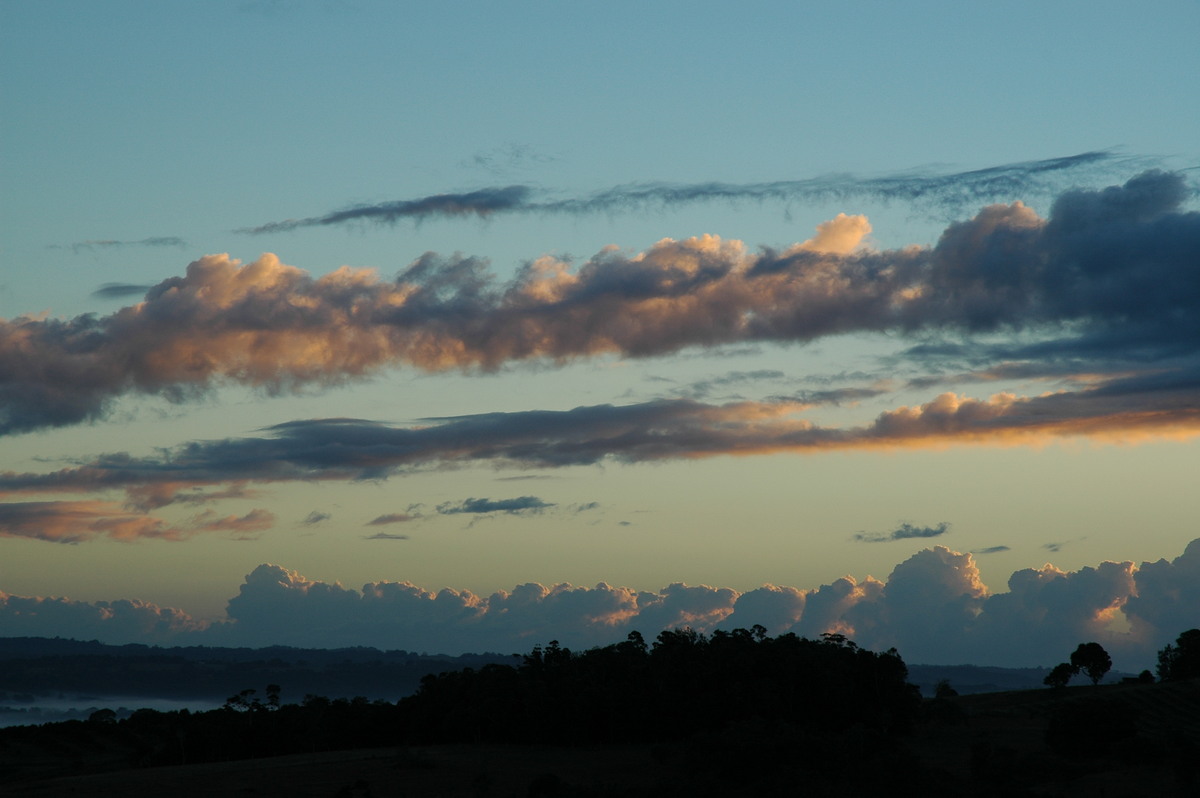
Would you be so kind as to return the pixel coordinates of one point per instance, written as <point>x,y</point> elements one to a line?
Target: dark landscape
<point>731,713</point>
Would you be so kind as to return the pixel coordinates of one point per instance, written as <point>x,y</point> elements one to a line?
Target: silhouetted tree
<point>1092,659</point>
<point>1059,675</point>
<point>944,690</point>
<point>1182,660</point>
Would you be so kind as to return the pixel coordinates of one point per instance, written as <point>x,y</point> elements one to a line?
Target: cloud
<point>393,518</point>
<point>990,550</point>
<point>77,521</point>
<point>386,536</point>
<point>108,243</point>
<point>903,532</point>
<point>120,290</point>
<point>354,449</point>
<point>316,517</point>
<point>1100,295</point>
<point>521,505</point>
<point>256,520</point>
<point>933,608</point>
<point>481,203</point>
<point>942,190</point>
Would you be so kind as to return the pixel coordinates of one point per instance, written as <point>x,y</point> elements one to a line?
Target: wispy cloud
<point>108,243</point>
<point>316,517</point>
<point>120,290</point>
<point>1105,284</point>
<point>944,190</point>
<point>385,536</point>
<point>904,532</point>
<point>393,518</point>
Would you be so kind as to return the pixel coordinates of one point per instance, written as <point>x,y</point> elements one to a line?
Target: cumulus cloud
<point>933,608</point>
<point>903,532</point>
<point>942,190</point>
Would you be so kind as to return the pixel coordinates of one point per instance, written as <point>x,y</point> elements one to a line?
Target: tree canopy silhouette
<point>1182,660</point>
<point>1092,659</point>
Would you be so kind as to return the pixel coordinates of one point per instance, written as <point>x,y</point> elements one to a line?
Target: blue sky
<point>603,207</point>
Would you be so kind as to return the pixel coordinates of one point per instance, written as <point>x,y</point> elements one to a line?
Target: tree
<point>943,689</point>
<point>1182,660</point>
<point>1060,675</point>
<point>1092,659</point>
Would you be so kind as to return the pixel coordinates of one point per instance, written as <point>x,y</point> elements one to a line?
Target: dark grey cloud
<point>120,290</point>
<point>481,203</point>
<point>516,506</point>
<point>991,550</point>
<point>903,532</point>
<point>385,536</point>
<point>953,190</point>
<point>316,517</point>
<point>393,518</point>
<point>354,449</point>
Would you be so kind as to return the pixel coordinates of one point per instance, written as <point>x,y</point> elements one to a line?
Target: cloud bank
<point>954,190</point>
<point>1104,290</point>
<point>933,608</point>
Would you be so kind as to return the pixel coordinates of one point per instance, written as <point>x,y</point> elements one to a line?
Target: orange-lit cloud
<point>1105,283</point>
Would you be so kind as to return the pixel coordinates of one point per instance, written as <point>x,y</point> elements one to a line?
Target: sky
<point>467,326</point>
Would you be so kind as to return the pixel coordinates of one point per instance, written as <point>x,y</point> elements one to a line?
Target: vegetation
<point>1092,659</point>
<point>732,713</point>
<point>1182,660</point>
<point>1089,658</point>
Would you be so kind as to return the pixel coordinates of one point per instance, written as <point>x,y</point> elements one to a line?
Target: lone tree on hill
<point>1092,659</point>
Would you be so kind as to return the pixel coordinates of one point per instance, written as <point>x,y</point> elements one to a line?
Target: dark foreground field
<point>981,745</point>
<point>432,772</point>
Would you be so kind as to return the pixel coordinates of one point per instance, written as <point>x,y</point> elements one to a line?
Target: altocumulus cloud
<point>933,608</point>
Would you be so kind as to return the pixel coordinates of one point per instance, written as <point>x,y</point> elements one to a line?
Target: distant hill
<point>34,666</point>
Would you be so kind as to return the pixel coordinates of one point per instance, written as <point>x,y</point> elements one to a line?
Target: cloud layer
<point>1104,289</point>
<point>1100,300</point>
<point>933,608</point>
